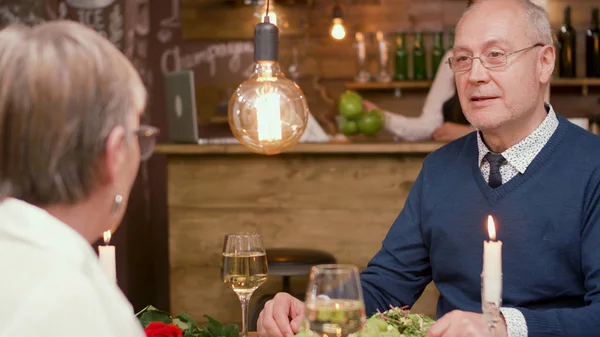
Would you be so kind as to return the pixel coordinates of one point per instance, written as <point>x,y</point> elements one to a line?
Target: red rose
<point>159,329</point>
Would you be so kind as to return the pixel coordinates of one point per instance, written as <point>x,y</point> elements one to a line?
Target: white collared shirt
<point>51,283</point>
<point>520,155</point>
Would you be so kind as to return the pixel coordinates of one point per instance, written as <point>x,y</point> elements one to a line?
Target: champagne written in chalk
<point>244,272</point>
<point>335,317</point>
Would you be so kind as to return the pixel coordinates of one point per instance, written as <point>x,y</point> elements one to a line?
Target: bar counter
<point>400,147</point>
<point>340,198</point>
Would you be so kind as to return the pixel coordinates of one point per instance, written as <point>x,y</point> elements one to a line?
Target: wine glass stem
<point>245,301</point>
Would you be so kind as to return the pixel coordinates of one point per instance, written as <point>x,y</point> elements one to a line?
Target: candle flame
<point>107,237</point>
<point>491,228</point>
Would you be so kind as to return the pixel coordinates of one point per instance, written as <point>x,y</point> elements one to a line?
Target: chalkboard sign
<point>27,12</point>
<point>213,62</point>
<point>105,16</point>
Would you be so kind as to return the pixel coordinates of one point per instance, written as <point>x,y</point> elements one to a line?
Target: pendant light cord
<point>267,11</point>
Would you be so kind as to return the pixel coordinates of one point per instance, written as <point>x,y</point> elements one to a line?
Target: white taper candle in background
<point>107,258</point>
<point>492,265</point>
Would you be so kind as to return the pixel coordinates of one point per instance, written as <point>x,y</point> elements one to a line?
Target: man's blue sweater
<point>547,218</point>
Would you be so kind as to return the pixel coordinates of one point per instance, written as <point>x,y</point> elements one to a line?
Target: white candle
<point>360,44</point>
<point>107,258</point>
<point>492,266</point>
<point>383,50</point>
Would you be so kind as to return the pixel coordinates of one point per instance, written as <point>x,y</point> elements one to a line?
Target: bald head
<point>533,17</point>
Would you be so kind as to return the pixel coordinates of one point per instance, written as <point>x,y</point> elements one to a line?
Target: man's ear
<point>115,154</point>
<point>546,63</point>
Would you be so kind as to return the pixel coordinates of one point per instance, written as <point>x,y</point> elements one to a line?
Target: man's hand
<point>464,324</point>
<point>281,316</point>
<point>450,131</point>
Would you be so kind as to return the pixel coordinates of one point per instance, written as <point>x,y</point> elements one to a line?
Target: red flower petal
<point>159,329</point>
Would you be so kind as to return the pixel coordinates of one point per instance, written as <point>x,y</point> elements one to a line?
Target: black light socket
<point>266,42</point>
<point>337,12</point>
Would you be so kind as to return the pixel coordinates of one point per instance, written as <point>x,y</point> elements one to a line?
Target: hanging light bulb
<point>337,30</point>
<point>268,113</point>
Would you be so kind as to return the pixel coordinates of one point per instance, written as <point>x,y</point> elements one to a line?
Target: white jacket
<point>51,283</point>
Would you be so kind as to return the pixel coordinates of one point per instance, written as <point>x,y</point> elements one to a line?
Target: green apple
<point>350,104</point>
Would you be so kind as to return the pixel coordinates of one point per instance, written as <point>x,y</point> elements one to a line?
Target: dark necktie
<point>496,160</point>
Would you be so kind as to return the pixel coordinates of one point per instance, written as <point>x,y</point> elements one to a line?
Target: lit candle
<point>492,266</point>
<point>107,258</point>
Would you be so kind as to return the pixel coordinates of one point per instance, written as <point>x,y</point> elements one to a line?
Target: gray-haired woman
<point>70,147</point>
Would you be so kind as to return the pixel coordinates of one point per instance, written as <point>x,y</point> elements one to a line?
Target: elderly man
<point>533,170</point>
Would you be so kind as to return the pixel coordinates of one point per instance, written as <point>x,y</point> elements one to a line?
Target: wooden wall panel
<point>320,59</point>
<point>203,19</point>
<point>342,204</point>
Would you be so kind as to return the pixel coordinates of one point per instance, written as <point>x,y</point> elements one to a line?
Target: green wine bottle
<point>437,52</point>
<point>401,58</point>
<point>567,44</point>
<point>592,46</point>
<point>419,65</point>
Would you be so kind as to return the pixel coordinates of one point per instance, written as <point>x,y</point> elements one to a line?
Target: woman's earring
<point>117,203</point>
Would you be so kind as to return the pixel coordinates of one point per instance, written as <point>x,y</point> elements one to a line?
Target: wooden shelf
<point>584,83</point>
<point>323,148</point>
<point>219,119</point>
<point>389,85</point>
<point>575,82</point>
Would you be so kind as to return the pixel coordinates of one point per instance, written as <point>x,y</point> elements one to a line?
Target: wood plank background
<point>343,204</point>
<point>323,64</point>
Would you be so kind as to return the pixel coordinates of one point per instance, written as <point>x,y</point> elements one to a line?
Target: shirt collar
<point>522,154</point>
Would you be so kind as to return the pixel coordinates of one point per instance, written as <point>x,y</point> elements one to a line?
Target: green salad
<point>396,322</point>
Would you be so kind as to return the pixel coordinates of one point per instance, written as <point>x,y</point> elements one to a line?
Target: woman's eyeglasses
<point>146,135</point>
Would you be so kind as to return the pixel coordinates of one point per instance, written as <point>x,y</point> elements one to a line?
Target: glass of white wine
<point>334,305</point>
<point>244,268</point>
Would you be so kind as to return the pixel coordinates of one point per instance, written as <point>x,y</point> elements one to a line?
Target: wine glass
<point>334,305</point>
<point>244,268</point>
